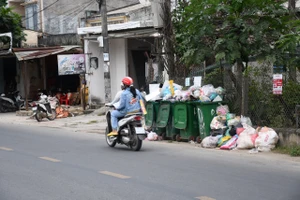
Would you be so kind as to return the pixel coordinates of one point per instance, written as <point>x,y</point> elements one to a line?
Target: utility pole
<point>104,33</point>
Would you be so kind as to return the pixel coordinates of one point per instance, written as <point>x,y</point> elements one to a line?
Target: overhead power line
<point>40,11</point>
<point>73,11</point>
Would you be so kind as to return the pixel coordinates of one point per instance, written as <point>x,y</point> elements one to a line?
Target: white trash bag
<point>208,90</point>
<point>245,138</point>
<point>152,136</point>
<point>246,120</point>
<point>266,140</point>
<point>233,122</point>
<point>210,142</point>
<point>216,124</point>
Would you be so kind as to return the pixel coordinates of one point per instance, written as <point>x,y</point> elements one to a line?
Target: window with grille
<point>31,17</point>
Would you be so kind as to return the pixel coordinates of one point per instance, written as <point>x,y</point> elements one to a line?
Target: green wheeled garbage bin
<point>186,119</point>
<point>152,108</point>
<point>171,131</point>
<point>206,111</point>
<point>165,119</point>
<point>150,116</point>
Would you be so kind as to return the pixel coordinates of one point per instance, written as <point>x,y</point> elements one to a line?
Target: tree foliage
<point>233,30</point>
<point>11,22</point>
<point>2,3</point>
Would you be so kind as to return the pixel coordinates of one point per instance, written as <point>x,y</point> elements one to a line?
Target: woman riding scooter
<point>129,103</point>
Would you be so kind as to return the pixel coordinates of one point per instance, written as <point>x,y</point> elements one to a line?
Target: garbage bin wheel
<point>178,138</point>
<point>174,137</point>
<point>164,136</point>
<point>198,139</point>
<point>191,138</point>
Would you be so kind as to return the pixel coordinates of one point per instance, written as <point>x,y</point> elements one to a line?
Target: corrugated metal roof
<point>35,48</point>
<point>32,53</point>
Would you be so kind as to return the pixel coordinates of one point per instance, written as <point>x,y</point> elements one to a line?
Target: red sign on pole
<point>277,83</point>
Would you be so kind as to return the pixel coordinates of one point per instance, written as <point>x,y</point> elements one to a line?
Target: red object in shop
<point>64,99</point>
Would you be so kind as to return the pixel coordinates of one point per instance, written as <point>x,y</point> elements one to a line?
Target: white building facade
<point>130,41</point>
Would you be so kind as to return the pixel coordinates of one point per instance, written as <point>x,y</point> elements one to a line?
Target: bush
<point>295,151</point>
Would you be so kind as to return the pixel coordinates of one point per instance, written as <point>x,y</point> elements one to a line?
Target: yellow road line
<point>114,174</point>
<point>6,149</point>
<point>204,198</point>
<point>49,159</point>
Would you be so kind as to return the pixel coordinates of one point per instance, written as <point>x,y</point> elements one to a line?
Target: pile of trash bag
<point>174,92</point>
<point>229,131</point>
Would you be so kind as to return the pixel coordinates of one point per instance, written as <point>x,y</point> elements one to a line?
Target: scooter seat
<point>133,113</point>
<point>130,114</point>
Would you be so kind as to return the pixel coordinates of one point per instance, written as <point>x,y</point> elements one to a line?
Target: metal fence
<point>267,109</point>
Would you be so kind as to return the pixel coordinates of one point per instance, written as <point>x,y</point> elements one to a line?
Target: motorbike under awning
<point>25,54</point>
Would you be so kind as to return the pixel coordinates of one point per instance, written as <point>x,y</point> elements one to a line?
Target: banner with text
<point>277,83</point>
<point>71,64</point>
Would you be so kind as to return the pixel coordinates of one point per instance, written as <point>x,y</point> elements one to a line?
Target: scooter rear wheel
<point>110,142</point>
<point>136,142</point>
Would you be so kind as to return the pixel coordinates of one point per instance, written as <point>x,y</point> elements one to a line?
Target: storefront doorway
<point>8,74</point>
<point>56,83</point>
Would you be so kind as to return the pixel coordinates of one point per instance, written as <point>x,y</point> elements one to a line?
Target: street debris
<point>61,112</point>
<point>152,136</point>
<point>228,131</point>
<point>238,133</point>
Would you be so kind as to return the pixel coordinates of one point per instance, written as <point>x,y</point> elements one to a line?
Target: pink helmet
<point>127,81</point>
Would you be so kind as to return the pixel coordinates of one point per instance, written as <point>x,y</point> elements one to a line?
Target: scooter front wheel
<point>110,142</point>
<point>38,116</point>
<point>53,116</point>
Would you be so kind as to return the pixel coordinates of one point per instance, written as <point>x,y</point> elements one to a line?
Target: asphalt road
<point>39,163</point>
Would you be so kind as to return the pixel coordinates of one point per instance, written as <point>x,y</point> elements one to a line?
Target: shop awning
<point>32,53</point>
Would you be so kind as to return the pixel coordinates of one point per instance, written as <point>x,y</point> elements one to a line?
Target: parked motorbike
<point>130,129</point>
<point>45,108</point>
<point>12,102</point>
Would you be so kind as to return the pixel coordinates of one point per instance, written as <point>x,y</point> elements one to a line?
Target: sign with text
<point>197,80</point>
<point>71,64</point>
<point>187,82</point>
<point>277,83</point>
<point>106,57</point>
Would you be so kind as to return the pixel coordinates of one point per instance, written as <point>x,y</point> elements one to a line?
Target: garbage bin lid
<point>180,116</point>
<point>163,115</point>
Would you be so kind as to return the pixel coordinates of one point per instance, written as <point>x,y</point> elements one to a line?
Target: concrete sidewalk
<point>90,123</point>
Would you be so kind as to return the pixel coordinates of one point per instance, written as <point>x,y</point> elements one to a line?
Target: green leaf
<point>220,56</point>
<point>235,29</point>
<point>11,22</point>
